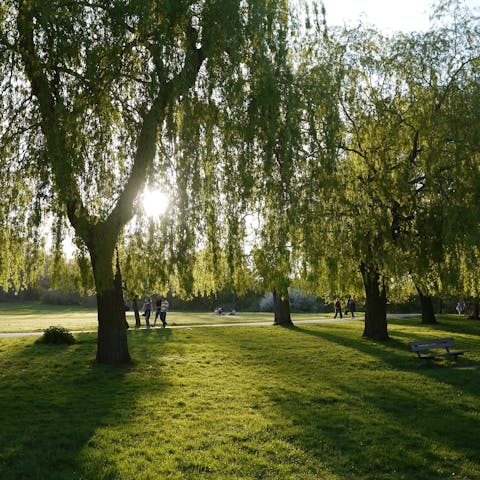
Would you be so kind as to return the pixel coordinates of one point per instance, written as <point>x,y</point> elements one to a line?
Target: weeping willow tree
<point>22,252</point>
<point>290,173</point>
<point>276,145</point>
<point>105,83</point>
<point>439,73</point>
<point>381,170</point>
<point>22,247</point>
<point>380,213</point>
<point>315,249</point>
<point>228,170</point>
<point>458,145</point>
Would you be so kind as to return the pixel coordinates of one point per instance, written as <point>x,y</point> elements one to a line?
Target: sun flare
<point>155,203</point>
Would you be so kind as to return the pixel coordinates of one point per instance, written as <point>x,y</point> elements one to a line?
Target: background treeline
<point>49,291</point>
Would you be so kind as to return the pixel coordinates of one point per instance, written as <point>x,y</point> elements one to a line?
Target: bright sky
<point>389,15</point>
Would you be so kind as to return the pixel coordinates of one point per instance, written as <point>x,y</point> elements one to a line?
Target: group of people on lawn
<point>337,305</point>
<point>161,309</point>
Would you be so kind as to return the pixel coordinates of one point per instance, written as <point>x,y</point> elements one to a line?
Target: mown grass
<point>309,402</point>
<point>32,317</point>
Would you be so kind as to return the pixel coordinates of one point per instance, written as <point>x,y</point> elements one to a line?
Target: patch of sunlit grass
<point>309,402</point>
<point>32,317</point>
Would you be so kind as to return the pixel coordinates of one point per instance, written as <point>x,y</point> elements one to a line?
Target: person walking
<point>147,310</point>
<point>163,311</point>
<point>135,311</point>
<point>338,308</point>
<point>161,308</point>
<point>158,305</point>
<point>350,306</point>
<point>460,307</point>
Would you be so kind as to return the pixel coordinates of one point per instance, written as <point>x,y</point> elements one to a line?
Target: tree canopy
<point>103,85</point>
<point>355,153</point>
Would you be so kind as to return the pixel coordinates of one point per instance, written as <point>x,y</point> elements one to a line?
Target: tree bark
<point>112,346</point>
<point>376,304</point>
<point>281,308</point>
<point>476,310</point>
<point>426,305</point>
<point>235,302</point>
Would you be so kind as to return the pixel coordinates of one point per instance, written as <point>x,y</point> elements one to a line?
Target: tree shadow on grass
<point>375,438</point>
<point>388,351</point>
<point>388,424</point>
<point>55,399</point>
<point>396,351</point>
<point>447,324</point>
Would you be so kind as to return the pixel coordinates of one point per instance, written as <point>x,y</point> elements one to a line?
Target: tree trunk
<point>235,302</point>
<point>476,310</point>
<point>426,305</point>
<point>281,308</point>
<point>112,347</point>
<point>375,305</point>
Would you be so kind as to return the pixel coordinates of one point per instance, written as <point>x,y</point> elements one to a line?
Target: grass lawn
<point>309,402</point>
<point>33,317</point>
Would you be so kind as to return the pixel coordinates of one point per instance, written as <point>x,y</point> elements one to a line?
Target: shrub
<point>60,297</point>
<point>266,303</point>
<point>57,336</point>
<point>303,302</point>
<point>299,302</point>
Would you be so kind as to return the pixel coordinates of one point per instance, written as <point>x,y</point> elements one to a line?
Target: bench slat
<point>424,345</point>
<point>435,343</point>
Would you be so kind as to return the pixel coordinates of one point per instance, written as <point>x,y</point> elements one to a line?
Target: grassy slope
<point>311,402</point>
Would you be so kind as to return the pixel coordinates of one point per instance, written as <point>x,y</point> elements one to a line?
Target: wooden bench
<point>426,346</point>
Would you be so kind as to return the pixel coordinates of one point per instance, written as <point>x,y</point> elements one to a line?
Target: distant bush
<point>266,303</point>
<point>90,301</point>
<point>57,336</point>
<point>299,302</point>
<point>60,297</point>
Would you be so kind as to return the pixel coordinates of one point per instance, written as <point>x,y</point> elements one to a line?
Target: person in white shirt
<point>161,306</point>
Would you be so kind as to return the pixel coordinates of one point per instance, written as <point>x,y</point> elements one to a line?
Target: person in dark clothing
<point>338,308</point>
<point>147,310</point>
<point>135,311</point>
<point>350,306</point>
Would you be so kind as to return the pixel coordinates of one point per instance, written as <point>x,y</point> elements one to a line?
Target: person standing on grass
<point>158,309</point>
<point>338,308</point>
<point>161,308</point>
<point>460,307</point>
<point>163,311</point>
<point>147,310</point>
<point>350,306</point>
<point>135,311</point>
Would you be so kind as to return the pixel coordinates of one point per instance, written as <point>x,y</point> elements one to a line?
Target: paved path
<point>238,324</point>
